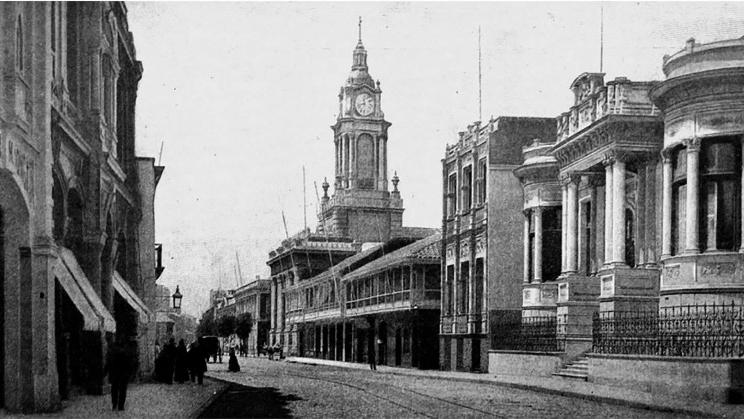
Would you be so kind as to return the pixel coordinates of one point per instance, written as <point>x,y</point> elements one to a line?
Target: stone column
<point>618,212</point>
<point>693,189</point>
<point>666,209</point>
<point>380,176</point>
<point>537,256</point>
<point>571,223</point>
<point>564,218</point>
<point>608,214</point>
<point>344,161</point>
<point>384,163</point>
<point>352,162</point>
<point>526,248</point>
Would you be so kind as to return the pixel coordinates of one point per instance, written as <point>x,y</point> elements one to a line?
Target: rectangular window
<point>478,285</point>
<point>483,176</point>
<point>452,195</point>
<point>551,249</point>
<point>449,287</point>
<point>720,194</point>
<point>462,289</point>
<point>467,186</point>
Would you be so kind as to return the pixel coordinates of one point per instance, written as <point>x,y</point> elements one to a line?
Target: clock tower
<point>361,206</point>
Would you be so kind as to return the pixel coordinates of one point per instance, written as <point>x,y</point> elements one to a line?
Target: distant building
<point>253,298</point>
<point>361,282</point>
<point>76,208</point>
<point>481,221</point>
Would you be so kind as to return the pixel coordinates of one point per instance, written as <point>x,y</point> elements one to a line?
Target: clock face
<point>364,104</point>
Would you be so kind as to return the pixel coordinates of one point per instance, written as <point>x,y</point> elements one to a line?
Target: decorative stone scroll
<point>480,246</point>
<point>450,253</point>
<point>464,250</point>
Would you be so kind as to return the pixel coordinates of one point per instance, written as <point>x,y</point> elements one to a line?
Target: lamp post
<point>177,297</point>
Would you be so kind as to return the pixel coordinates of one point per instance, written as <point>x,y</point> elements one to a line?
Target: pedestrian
<point>169,360</point>
<point>181,364</point>
<point>232,364</point>
<point>197,363</point>
<point>119,370</point>
<point>371,355</point>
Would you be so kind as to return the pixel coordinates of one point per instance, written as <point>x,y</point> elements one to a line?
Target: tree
<point>226,326</point>
<point>244,325</point>
<point>207,325</point>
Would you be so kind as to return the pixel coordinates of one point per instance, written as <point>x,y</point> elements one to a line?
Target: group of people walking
<point>179,364</point>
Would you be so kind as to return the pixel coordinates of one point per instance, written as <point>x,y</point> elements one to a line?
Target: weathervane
<point>360,29</point>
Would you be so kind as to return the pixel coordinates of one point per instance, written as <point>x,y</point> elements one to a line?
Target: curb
<point>566,393</point>
<point>199,410</point>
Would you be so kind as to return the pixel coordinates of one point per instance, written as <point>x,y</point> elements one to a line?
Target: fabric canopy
<point>127,293</point>
<point>73,280</point>
<point>163,317</point>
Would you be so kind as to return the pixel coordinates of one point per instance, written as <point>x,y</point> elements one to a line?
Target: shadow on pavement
<point>240,401</point>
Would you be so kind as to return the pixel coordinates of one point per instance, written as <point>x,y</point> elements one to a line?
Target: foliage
<point>244,325</point>
<point>226,326</point>
<point>207,326</point>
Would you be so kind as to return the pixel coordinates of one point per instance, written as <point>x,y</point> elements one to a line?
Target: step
<point>571,375</point>
<point>581,361</point>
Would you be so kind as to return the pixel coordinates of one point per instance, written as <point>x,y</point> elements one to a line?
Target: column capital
<point>569,177</point>
<point>666,155</point>
<point>614,155</point>
<point>692,144</point>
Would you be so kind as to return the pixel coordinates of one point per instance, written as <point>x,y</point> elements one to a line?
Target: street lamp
<point>177,299</point>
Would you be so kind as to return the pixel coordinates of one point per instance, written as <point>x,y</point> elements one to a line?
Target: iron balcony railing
<point>711,331</point>
<point>531,334</point>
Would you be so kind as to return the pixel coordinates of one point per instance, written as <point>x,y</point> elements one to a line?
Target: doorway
<point>398,347</point>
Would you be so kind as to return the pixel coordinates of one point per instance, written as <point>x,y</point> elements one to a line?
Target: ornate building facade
<point>650,289</point>
<point>76,203</point>
<point>481,203</point>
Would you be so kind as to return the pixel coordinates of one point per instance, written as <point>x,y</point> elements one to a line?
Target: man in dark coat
<point>181,364</point>
<point>169,360</point>
<point>119,370</point>
<point>197,363</point>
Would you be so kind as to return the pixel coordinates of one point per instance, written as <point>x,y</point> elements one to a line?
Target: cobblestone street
<point>309,391</point>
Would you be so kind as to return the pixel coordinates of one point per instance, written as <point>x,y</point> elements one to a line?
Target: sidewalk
<point>143,400</point>
<point>560,386</point>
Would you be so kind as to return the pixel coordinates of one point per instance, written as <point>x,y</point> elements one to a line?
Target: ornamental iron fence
<point>711,331</point>
<point>530,334</point>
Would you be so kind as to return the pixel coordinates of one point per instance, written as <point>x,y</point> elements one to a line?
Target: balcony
<point>618,97</point>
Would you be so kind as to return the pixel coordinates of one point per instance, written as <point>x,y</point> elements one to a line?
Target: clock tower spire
<point>360,133</point>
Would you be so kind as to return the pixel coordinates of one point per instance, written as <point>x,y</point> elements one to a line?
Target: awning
<point>72,278</point>
<point>162,317</point>
<point>126,292</point>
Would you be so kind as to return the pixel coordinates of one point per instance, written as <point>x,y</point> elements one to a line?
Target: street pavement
<point>266,388</point>
<point>146,400</point>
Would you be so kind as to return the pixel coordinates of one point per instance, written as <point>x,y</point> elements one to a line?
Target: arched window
<point>19,43</point>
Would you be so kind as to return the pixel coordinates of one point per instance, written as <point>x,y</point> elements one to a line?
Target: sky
<point>241,96</point>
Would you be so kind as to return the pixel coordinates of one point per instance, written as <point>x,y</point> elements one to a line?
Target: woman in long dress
<point>232,365</point>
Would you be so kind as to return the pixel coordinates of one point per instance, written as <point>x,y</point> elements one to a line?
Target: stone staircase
<point>577,369</point>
